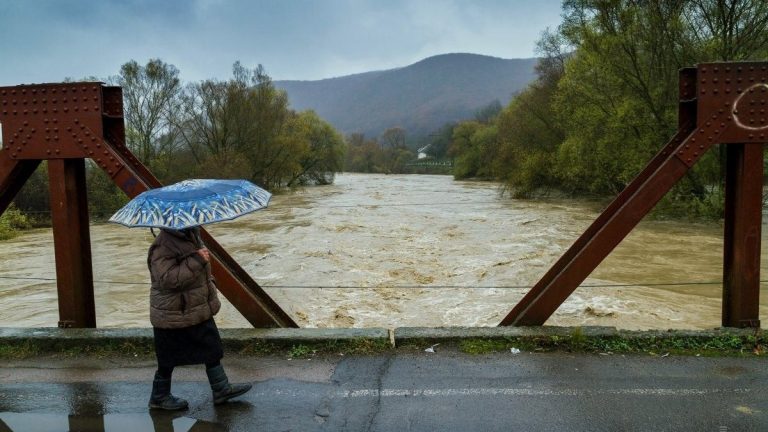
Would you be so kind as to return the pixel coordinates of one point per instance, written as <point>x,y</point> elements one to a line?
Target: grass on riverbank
<point>708,346</point>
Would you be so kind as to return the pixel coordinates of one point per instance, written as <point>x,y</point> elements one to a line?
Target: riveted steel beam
<point>720,103</point>
<point>66,123</point>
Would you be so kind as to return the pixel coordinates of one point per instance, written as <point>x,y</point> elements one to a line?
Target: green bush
<point>11,222</point>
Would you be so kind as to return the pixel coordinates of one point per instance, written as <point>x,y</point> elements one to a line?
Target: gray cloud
<point>49,40</point>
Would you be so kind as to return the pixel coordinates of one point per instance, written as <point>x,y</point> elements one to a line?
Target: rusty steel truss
<point>65,124</point>
<point>720,103</point>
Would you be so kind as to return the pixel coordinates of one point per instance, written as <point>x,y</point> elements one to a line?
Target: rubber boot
<point>162,398</point>
<point>220,386</point>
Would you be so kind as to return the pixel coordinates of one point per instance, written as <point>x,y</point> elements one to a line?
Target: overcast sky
<point>49,40</point>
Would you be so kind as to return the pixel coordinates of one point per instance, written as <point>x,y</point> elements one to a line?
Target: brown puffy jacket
<point>183,291</point>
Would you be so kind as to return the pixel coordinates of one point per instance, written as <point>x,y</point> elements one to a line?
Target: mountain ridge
<point>420,97</point>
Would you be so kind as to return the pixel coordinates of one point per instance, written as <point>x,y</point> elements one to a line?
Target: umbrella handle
<point>196,235</point>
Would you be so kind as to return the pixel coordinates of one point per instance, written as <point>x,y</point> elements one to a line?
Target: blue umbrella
<point>192,203</point>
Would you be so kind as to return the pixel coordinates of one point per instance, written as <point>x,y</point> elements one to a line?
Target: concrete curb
<point>264,340</point>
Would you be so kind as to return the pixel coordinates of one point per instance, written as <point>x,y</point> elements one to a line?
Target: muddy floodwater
<point>391,251</point>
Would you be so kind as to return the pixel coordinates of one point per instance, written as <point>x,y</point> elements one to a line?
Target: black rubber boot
<point>162,398</point>
<point>222,389</point>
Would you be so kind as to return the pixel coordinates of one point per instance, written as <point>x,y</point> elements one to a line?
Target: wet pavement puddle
<point>151,421</point>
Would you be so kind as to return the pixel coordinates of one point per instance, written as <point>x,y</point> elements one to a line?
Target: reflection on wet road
<point>148,422</point>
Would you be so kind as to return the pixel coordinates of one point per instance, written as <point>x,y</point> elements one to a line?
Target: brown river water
<point>396,250</point>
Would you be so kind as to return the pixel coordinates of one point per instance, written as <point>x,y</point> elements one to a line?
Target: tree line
<point>606,100</point>
<point>238,128</point>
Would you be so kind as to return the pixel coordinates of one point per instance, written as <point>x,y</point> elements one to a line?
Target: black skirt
<point>196,344</point>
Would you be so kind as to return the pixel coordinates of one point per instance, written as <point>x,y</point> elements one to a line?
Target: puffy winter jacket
<point>183,291</point>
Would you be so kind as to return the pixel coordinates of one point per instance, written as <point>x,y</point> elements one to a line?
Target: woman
<point>182,304</point>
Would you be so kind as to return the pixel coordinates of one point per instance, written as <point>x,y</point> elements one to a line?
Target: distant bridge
<point>430,163</point>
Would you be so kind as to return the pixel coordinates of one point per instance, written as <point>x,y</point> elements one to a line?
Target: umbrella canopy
<point>191,203</point>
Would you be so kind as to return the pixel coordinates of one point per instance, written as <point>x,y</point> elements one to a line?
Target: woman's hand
<point>205,254</point>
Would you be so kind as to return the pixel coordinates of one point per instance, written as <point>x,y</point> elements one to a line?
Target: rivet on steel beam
<point>57,151</point>
<point>701,146</point>
<point>66,109</point>
<point>704,70</point>
<point>689,159</point>
<point>695,154</point>
<point>48,151</point>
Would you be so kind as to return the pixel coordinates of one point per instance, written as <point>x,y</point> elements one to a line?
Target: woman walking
<point>183,301</point>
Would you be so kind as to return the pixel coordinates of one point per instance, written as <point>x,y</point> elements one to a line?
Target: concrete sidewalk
<point>398,390</point>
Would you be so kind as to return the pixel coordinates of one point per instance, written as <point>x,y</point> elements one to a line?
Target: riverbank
<point>20,343</point>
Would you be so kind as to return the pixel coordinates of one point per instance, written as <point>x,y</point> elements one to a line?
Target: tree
<point>363,155</point>
<point>394,149</point>
<point>324,153</point>
<point>151,101</point>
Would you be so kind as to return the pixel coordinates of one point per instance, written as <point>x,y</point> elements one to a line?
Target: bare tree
<point>151,98</point>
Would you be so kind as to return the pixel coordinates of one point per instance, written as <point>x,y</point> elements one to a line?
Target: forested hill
<point>419,98</point>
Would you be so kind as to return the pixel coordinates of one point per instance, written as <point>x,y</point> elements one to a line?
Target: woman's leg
<point>161,397</point>
<point>220,386</point>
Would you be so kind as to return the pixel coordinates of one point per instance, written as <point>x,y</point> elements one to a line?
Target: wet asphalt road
<point>444,391</point>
